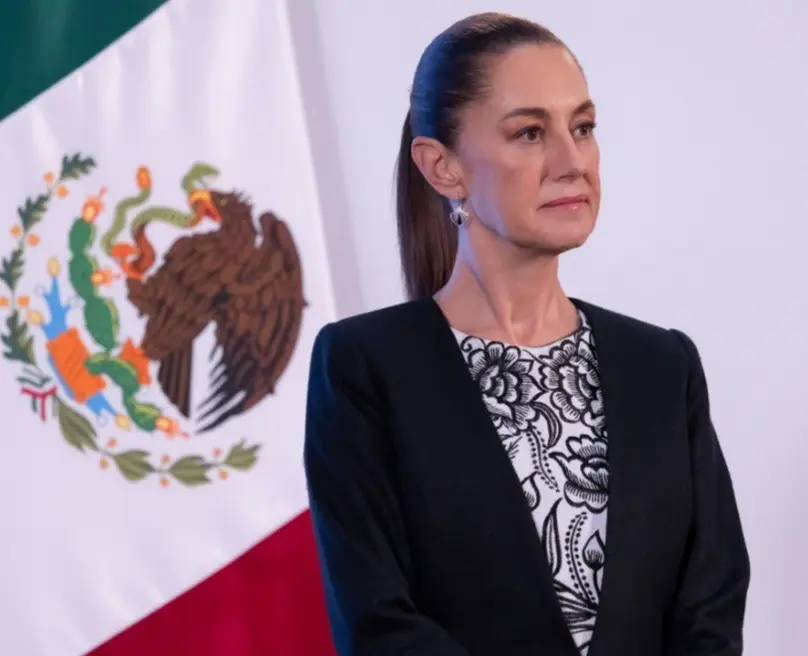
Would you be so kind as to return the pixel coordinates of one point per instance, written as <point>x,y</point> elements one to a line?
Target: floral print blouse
<point>547,407</point>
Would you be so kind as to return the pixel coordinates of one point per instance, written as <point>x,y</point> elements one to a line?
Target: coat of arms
<point>81,367</point>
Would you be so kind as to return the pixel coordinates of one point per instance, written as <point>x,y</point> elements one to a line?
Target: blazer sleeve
<point>358,524</point>
<point>708,611</point>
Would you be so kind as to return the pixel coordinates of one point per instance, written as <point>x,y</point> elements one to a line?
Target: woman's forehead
<point>536,76</point>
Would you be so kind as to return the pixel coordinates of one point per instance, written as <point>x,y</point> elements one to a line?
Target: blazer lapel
<point>472,441</point>
<point>624,377</point>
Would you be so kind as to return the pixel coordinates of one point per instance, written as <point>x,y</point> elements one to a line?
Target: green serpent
<point>119,219</point>
<point>195,176</point>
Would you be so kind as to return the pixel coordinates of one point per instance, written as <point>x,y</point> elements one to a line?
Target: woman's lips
<point>567,201</point>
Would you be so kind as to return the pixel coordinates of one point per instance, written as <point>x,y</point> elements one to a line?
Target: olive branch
<point>134,464</point>
<point>137,464</point>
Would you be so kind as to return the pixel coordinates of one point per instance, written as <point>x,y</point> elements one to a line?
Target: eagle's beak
<point>202,202</point>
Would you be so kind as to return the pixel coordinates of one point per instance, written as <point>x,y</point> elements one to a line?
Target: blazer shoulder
<point>380,326</point>
<point>667,341</point>
<point>366,352</point>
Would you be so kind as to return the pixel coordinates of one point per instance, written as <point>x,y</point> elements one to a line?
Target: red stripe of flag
<point>269,601</point>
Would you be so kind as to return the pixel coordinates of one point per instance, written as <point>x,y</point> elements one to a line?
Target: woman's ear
<point>439,166</point>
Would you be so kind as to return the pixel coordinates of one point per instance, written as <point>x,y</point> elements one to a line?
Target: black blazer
<point>426,541</point>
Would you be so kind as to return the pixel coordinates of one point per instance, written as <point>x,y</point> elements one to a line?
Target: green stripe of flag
<point>43,41</point>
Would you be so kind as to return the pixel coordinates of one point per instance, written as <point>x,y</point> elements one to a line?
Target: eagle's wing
<point>257,328</point>
<point>179,300</point>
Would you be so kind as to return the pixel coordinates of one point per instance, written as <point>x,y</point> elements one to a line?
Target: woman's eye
<point>532,133</point>
<point>586,129</point>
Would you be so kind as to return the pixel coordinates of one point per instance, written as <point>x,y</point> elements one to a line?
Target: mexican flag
<point>163,273</point>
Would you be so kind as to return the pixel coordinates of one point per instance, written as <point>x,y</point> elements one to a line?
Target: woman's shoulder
<point>399,324</point>
<point>386,322</point>
<point>627,331</point>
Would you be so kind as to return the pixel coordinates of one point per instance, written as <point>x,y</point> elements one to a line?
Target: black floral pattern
<point>587,472</point>
<point>570,373</point>
<point>508,389</point>
<point>594,553</point>
<point>547,406</point>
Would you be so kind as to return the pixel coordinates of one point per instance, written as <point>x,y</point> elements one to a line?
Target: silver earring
<point>459,216</point>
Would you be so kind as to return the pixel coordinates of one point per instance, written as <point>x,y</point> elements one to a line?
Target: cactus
<point>101,320</point>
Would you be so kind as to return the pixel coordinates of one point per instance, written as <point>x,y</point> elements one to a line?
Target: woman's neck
<point>506,295</point>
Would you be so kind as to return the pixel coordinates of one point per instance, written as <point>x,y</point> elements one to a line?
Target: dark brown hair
<point>449,76</point>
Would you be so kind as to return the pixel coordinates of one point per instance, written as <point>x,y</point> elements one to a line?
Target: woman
<point>495,468</point>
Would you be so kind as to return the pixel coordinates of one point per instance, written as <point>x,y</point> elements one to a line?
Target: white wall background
<point>704,223</point>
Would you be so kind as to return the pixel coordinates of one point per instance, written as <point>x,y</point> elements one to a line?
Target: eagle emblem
<point>111,342</point>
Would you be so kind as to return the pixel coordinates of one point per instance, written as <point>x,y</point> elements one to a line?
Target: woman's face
<point>526,154</point>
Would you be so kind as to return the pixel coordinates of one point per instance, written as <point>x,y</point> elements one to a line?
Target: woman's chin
<point>558,237</point>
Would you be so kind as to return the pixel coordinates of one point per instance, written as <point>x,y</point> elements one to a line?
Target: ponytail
<point>427,240</point>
